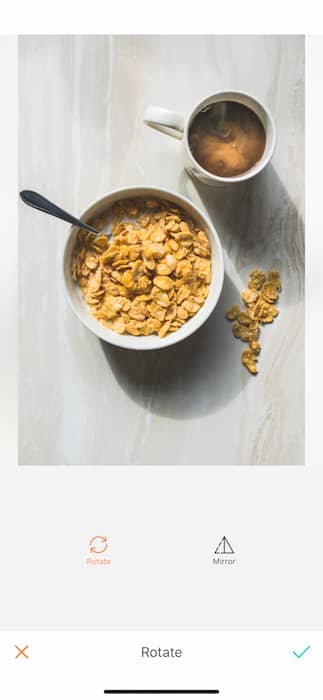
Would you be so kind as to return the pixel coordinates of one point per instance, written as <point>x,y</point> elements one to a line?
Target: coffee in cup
<point>227,138</point>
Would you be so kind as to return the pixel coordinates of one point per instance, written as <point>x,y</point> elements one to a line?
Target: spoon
<point>37,201</point>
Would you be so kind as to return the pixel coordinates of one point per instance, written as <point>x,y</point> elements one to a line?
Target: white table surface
<point>81,102</point>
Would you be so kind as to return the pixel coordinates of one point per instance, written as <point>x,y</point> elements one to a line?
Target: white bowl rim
<point>128,342</point>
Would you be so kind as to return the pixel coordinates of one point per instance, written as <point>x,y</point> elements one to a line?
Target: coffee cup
<point>176,125</point>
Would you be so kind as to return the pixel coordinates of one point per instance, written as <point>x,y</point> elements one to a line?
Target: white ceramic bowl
<point>151,342</point>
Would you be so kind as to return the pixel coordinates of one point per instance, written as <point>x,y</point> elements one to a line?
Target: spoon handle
<point>37,201</point>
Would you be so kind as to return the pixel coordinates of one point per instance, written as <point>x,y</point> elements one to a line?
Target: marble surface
<point>81,101</point>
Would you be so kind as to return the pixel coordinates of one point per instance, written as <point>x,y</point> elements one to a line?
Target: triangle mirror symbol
<point>224,547</point>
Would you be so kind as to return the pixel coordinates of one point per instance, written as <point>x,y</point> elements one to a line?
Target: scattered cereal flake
<point>255,346</point>
<point>236,330</point>
<point>249,296</point>
<point>249,360</point>
<point>274,277</point>
<point>247,335</point>
<point>244,318</point>
<point>264,312</point>
<point>259,299</point>
<point>269,292</point>
<point>257,278</point>
<point>232,313</point>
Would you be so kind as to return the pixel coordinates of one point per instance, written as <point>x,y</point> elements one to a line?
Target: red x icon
<point>22,651</point>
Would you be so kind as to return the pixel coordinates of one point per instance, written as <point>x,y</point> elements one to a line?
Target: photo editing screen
<point>161,480</point>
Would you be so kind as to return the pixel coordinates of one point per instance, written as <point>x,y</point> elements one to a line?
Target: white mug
<point>175,125</point>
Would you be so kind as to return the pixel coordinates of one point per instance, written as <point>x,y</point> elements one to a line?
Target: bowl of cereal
<point>154,279</point>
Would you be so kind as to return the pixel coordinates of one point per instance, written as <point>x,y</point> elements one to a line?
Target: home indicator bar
<point>162,692</point>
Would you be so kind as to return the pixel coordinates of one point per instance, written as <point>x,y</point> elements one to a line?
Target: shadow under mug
<point>174,124</point>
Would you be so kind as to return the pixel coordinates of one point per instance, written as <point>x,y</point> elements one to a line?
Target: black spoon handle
<point>37,201</point>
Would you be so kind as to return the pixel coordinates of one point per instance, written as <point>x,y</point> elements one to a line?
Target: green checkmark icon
<point>299,656</point>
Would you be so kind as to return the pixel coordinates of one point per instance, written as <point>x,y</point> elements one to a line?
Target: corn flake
<point>232,313</point>
<point>249,359</point>
<point>259,300</point>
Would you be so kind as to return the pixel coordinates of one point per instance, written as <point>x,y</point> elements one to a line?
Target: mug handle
<point>165,120</point>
